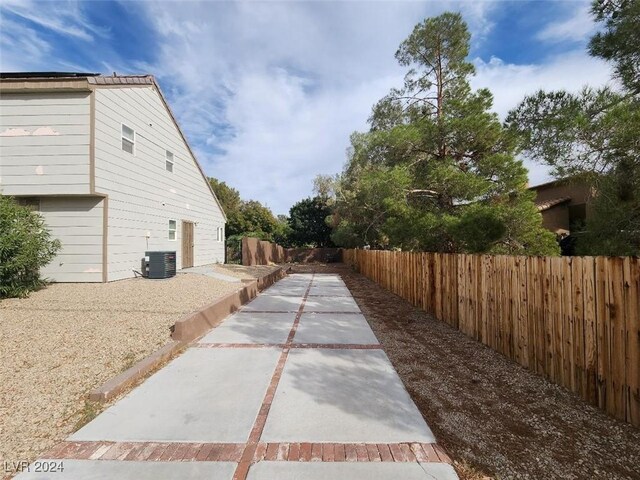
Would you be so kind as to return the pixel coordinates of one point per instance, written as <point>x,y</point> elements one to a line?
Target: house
<point>564,204</point>
<point>104,161</point>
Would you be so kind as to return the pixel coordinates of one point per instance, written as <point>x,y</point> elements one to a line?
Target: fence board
<point>566,336</point>
<point>578,357</point>
<point>523,309</point>
<point>535,315</point>
<point>616,308</point>
<point>602,331</point>
<point>632,339</point>
<point>590,332</point>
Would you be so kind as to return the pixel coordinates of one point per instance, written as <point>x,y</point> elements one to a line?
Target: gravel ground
<point>496,419</point>
<point>240,271</point>
<point>67,339</point>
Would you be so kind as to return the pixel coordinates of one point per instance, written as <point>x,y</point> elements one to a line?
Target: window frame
<point>123,138</point>
<point>174,231</point>
<point>168,162</point>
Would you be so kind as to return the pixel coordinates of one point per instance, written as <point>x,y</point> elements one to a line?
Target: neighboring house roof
<point>56,79</point>
<point>551,183</point>
<point>547,204</point>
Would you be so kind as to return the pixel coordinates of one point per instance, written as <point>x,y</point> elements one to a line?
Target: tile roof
<point>547,204</point>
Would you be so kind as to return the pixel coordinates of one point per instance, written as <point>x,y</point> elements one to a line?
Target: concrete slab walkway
<point>293,386</point>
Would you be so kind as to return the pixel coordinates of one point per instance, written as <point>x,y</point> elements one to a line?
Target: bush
<point>25,246</point>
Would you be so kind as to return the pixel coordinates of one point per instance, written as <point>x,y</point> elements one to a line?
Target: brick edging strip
<point>120,383</point>
<point>234,452</point>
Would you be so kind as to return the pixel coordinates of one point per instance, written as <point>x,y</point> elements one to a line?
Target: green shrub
<point>25,246</point>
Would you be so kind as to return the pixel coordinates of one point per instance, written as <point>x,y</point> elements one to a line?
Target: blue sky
<point>276,87</point>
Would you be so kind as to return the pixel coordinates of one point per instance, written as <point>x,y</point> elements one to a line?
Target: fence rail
<point>575,320</point>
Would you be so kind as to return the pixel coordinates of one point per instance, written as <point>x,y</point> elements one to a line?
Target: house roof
<point>58,80</point>
<point>91,78</point>
<point>551,183</point>
<point>547,204</point>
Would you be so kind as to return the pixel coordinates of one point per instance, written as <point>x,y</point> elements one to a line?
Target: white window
<point>128,139</point>
<point>168,163</point>
<point>220,234</point>
<point>173,225</point>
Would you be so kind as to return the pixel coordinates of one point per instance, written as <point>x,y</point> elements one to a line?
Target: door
<point>187,244</point>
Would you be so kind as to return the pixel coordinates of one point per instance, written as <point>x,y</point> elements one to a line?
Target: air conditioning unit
<point>159,264</point>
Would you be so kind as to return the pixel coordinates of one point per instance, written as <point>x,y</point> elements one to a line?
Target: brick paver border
<point>233,452</point>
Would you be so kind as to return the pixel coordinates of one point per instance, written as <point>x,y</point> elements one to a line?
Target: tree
<point>614,226</point>
<point>576,134</point>
<point>594,135</point>
<point>25,246</point>
<point>282,232</point>
<point>436,166</point>
<point>255,218</point>
<point>244,217</point>
<point>229,197</point>
<point>619,42</point>
<point>324,186</point>
<point>308,225</point>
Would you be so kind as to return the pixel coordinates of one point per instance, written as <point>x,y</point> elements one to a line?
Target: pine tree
<point>437,171</point>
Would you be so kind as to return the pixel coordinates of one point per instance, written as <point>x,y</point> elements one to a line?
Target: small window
<point>220,234</point>
<point>169,161</point>
<point>32,203</point>
<point>172,229</point>
<point>128,139</point>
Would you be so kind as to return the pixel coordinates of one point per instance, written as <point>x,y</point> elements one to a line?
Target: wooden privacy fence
<point>574,320</point>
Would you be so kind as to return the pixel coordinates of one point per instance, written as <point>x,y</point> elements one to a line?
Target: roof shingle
<point>547,204</point>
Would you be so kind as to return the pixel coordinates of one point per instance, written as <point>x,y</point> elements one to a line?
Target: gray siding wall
<point>143,196</point>
<point>44,143</point>
<point>77,223</point>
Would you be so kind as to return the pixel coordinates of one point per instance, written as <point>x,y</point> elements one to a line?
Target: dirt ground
<point>495,418</point>
<point>67,339</point>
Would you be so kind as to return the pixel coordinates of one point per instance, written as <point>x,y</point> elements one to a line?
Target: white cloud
<point>63,17</point>
<point>279,86</point>
<point>577,27</point>
<point>20,47</point>
<point>510,83</point>
<point>284,137</point>
<point>24,27</point>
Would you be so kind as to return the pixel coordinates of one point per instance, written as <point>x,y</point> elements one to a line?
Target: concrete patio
<point>293,386</point>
